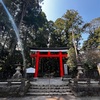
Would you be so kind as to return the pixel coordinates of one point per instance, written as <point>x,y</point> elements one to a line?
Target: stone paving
<point>47,81</point>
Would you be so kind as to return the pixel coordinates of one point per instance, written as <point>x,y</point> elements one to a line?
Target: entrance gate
<point>59,53</point>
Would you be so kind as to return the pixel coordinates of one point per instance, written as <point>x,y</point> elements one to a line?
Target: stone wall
<point>14,88</point>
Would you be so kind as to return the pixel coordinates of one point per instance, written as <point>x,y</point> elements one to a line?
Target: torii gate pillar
<point>37,65</point>
<point>61,65</point>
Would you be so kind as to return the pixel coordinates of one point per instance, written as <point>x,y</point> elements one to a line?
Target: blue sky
<point>88,9</point>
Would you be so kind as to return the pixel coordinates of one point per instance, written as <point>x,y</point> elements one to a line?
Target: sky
<point>88,9</point>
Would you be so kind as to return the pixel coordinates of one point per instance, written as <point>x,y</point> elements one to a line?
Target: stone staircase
<point>49,89</point>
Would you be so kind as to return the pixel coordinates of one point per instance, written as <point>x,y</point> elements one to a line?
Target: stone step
<point>49,87</point>
<point>48,93</point>
<point>52,90</point>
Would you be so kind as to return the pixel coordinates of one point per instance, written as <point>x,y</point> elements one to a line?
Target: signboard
<point>30,70</point>
<point>65,69</point>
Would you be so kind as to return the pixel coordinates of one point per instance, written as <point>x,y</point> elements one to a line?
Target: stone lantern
<point>80,71</point>
<point>17,74</point>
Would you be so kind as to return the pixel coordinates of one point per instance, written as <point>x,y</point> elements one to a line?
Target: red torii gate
<point>38,55</point>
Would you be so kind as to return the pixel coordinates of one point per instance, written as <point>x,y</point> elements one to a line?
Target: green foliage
<point>93,41</point>
<point>72,18</point>
<point>59,35</point>
<point>64,26</point>
<point>93,28</point>
<point>59,23</point>
<point>73,22</point>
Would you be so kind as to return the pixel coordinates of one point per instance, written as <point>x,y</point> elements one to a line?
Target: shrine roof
<point>50,49</point>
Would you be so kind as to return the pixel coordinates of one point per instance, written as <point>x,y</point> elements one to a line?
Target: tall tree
<point>26,14</point>
<point>70,27</point>
<point>93,29</point>
<point>59,34</point>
